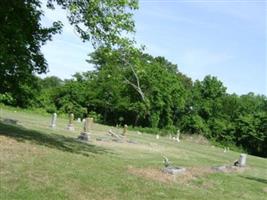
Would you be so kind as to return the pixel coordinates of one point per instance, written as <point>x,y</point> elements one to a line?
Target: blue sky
<point>226,39</point>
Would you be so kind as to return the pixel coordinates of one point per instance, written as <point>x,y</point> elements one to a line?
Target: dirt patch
<point>158,175</point>
<point>265,189</point>
<point>190,174</point>
<point>152,174</point>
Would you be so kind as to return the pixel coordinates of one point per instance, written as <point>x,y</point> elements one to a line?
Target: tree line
<point>127,85</point>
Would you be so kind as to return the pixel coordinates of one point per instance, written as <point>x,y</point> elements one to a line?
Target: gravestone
<point>124,129</point>
<point>242,160</point>
<point>168,169</point>
<point>79,120</point>
<point>85,135</point>
<point>157,136</point>
<point>70,126</point>
<point>173,170</point>
<point>178,136</point>
<point>53,120</point>
<point>88,124</point>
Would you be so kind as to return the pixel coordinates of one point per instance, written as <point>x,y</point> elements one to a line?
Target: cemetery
<point>118,158</point>
<point>133,100</point>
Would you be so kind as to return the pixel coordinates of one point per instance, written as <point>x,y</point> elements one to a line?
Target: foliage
<point>150,93</point>
<point>100,21</point>
<point>21,37</point>
<point>128,86</point>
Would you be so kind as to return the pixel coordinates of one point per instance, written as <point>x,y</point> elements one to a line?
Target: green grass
<point>37,162</point>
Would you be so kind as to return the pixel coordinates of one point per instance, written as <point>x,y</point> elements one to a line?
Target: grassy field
<point>37,162</point>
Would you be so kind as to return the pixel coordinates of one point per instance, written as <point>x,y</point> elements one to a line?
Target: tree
<point>21,37</point>
<point>100,21</point>
<point>152,91</point>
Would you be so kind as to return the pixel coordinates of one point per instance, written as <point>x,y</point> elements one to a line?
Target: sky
<point>222,38</point>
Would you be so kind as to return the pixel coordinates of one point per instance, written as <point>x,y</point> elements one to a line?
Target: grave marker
<point>124,129</point>
<point>53,120</point>
<point>70,126</point>
<point>87,127</point>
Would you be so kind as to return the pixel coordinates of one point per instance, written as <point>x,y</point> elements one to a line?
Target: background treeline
<point>134,88</point>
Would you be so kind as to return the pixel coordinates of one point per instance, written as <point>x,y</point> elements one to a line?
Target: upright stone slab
<point>125,129</point>
<point>53,120</point>
<point>242,160</point>
<point>70,126</point>
<point>178,136</point>
<point>87,126</point>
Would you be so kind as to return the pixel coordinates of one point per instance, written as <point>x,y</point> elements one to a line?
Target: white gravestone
<point>178,136</point>
<point>242,160</point>
<point>53,120</point>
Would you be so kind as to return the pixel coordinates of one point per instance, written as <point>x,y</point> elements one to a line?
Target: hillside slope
<point>37,162</point>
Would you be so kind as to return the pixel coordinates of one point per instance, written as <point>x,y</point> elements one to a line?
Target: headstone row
<point>88,122</point>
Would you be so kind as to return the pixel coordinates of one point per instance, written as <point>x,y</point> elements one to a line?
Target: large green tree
<point>100,21</point>
<point>22,35</point>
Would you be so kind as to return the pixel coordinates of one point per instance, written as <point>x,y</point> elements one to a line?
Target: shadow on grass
<point>261,180</point>
<point>55,141</point>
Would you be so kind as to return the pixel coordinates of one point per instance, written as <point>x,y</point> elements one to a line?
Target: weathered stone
<point>178,136</point>
<point>70,126</point>
<point>84,136</point>
<point>53,120</point>
<point>125,129</point>
<point>111,133</point>
<point>242,160</point>
<point>173,170</point>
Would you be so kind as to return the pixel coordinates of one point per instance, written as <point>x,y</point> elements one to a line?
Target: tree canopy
<point>22,35</point>
<point>127,86</point>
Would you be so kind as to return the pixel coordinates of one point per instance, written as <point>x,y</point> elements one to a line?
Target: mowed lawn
<point>37,162</point>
